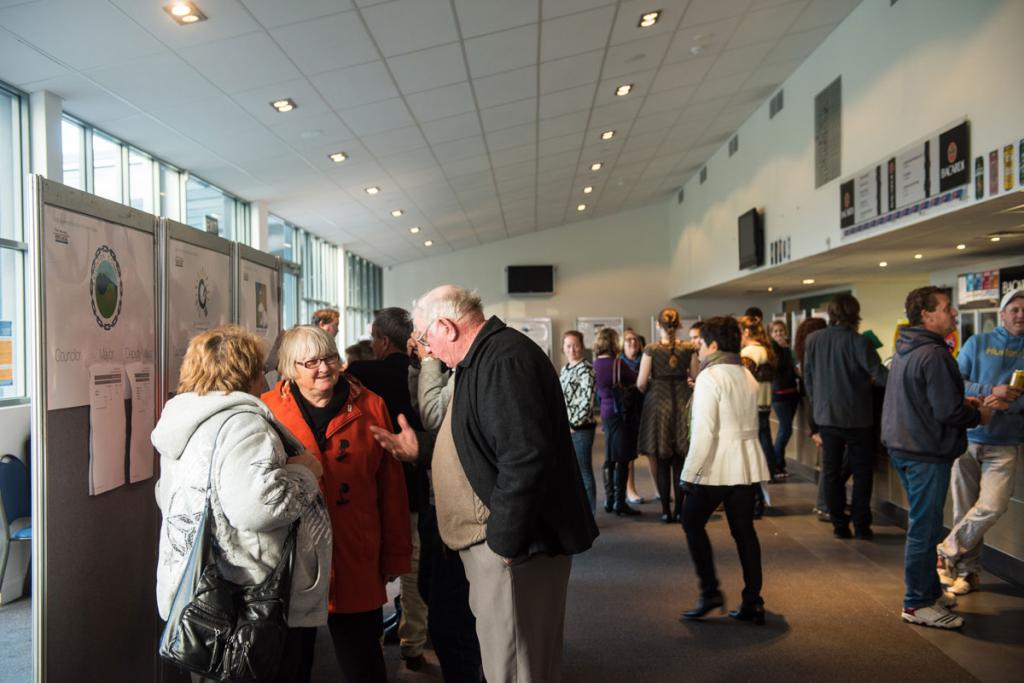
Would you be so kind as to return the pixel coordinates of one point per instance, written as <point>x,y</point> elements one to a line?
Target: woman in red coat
<point>363,486</point>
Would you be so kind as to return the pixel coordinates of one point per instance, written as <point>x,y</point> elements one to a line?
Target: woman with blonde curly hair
<point>218,442</point>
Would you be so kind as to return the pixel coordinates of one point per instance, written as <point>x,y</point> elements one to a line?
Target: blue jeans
<point>785,410</point>
<point>926,484</point>
<point>583,442</point>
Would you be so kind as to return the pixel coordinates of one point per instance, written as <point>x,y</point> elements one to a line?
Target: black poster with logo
<point>954,155</point>
<point>846,207</point>
<point>1010,279</point>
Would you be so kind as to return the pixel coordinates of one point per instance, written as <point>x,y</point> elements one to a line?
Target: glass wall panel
<point>140,182</point>
<point>72,142</point>
<point>10,166</point>
<point>170,192</point>
<point>106,167</point>
<point>208,208</point>
<point>12,323</point>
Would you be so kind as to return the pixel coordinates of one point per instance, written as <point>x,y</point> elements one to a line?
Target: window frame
<point>22,145</point>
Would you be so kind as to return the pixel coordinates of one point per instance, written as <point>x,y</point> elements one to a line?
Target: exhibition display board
<point>590,326</point>
<point>95,524</point>
<point>537,329</point>
<point>258,292</point>
<point>199,290</point>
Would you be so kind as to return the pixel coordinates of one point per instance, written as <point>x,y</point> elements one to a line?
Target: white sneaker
<point>963,585</point>
<point>935,615</point>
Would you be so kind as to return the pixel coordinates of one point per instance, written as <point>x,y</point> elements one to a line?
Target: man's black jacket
<point>511,431</point>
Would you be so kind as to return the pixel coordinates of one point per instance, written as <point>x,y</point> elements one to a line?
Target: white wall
<point>14,428</point>
<point>611,266</point>
<point>907,70</point>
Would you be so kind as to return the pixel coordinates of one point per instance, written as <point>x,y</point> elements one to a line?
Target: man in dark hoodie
<point>924,425</point>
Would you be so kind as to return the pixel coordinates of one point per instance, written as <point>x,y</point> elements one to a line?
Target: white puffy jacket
<point>256,496</point>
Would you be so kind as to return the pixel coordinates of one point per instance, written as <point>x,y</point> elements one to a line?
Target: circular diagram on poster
<point>106,287</point>
<point>202,295</point>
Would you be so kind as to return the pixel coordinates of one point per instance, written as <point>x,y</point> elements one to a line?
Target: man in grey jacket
<point>924,425</point>
<point>840,366</point>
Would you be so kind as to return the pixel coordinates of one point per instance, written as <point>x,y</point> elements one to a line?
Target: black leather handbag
<point>224,631</point>
<point>629,400</point>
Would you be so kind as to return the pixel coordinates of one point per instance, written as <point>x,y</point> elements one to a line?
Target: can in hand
<point>1017,381</point>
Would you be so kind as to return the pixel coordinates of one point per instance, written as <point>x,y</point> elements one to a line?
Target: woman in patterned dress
<point>664,425</point>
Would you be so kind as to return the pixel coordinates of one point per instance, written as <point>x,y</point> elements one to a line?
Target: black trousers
<point>356,639</point>
<point>450,622</point>
<point>698,505</point>
<point>296,660</point>
<point>859,446</point>
<point>667,481</point>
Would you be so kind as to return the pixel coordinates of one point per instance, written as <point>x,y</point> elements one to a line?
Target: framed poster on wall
<point>257,291</point>
<point>590,326</point>
<point>537,329</point>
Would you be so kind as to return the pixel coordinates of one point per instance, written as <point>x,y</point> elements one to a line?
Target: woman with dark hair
<point>614,376</point>
<point>724,466</point>
<point>664,425</point>
<point>803,331</point>
<point>758,357</point>
<point>785,395</point>
<point>579,388</point>
<point>632,352</point>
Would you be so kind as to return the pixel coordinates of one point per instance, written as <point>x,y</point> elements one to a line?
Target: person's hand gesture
<point>1006,392</point>
<point>996,403</point>
<point>404,445</point>
<point>309,461</point>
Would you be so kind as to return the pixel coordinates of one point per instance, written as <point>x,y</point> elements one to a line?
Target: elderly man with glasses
<point>508,491</point>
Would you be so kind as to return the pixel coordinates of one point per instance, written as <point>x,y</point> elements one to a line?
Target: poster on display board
<point>590,326</point>
<point>259,308</point>
<point>537,329</point>
<point>974,287</point>
<point>198,294</point>
<point>100,301</point>
<point>6,355</point>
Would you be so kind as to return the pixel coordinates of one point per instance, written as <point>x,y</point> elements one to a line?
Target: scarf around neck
<point>720,358</point>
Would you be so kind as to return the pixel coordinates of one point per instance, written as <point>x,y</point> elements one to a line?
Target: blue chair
<point>15,523</point>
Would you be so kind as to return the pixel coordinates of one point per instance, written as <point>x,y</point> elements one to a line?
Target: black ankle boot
<point>748,612</point>
<point>705,604</point>
<point>622,508</point>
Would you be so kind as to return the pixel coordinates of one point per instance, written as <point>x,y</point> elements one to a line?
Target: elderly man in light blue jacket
<point>984,477</point>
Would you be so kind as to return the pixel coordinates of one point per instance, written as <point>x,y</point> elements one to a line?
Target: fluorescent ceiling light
<point>338,157</point>
<point>994,238</point>
<point>771,289</point>
<point>581,207</point>
<point>414,229</point>
<point>608,135</point>
<point>808,281</point>
<point>648,19</point>
<point>596,166</point>
<point>372,190</point>
<point>623,89</point>
<point>284,105</point>
<point>919,256</point>
<point>961,247</point>
<point>428,243</point>
<point>883,264</point>
<point>397,213</point>
<point>184,12</point>
<point>588,189</point>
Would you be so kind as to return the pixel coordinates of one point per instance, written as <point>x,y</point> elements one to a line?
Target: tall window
<point>363,295</point>
<point>319,260</point>
<point>106,167</point>
<point>72,140</point>
<point>170,192</point>
<point>211,209</point>
<point>141,181</point>
<point>282,239</point>
<point>13,251</point>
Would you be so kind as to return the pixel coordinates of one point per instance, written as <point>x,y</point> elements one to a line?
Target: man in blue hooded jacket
<point>924,425</point>
<point>984,477</point>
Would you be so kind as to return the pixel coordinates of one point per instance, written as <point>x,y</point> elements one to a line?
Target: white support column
<point>45,111</point>
<point>258,225</point>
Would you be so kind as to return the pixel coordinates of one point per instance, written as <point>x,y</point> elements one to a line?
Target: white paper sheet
<point>107,427</point>
<point>140,450</point>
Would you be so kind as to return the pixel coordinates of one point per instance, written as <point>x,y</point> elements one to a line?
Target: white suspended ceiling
<point>480,119</point>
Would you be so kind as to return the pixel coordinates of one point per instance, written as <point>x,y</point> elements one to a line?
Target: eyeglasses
<point>314,363</point>
<point>421,338</point>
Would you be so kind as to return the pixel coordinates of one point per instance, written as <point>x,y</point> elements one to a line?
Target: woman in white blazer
<point>724,465</point>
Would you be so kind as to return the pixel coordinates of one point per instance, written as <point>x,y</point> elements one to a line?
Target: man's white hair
<point>448,301</point>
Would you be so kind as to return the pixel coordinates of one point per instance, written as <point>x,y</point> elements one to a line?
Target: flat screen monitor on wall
<point>530,279</point>
<point>751,231</point>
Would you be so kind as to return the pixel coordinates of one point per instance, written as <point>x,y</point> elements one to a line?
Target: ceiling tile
<point>512,137</point>
<point>514,155</point>
<point>21,63</point>
<point>576,33</point>
<point>627,23</point>
<point>653,123</point>
<point>460,149</point>
<point>566,101</point>
<point>56,27</point>
<point>668,100</point>
<point>772,75</point>
<point>704,11</point>
<point>325,44</point>
<point>641,83</point>
<point>509,115</point>
<point>394,141</point>
<point>639,55</point>
<point>452,128</point>
<point>257,102</point>
<point>377,117</point>
<point>740,60</point>
<point>797,46</point>
<point>477,17</point>
<point>720,87</point>
<point>84,99</point>
<point>154,81</point>
<point>431,68</point>
<point>563,143</point>
<point>691,72</point>
<point>441,102</point>
<point>460,167</point>
<point>623,111</point>
<point>566,159</point>
<point>560,74</point>
<point>564,125</point>
<point>265,62</point>
<point>701,41</point>
<point>408,162</point>
<point>232,20</point>
<point>765,25</point>
<point>410,25</point>
<point>823,13</point>
<point>504,51</point>
<point>355,85</point>
<point>273,13</point>
<point>506,87</point>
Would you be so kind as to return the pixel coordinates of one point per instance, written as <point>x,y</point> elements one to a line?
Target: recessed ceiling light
<point>414,229</point>
<point>596,166</point>
<point>994,238</point>
<point>372,190</point>
<point>338,157</point>
<point>919,256</point>
<point>608,135</point>
<point>284,105</point>
<point>961,247</point>
<point>623,89</point>
<point>581,207</point>
<point>808,281</point>
<point>648,19</point>
<point>184,12</point>
<point>771,289</point>
<point>883,264</point>
<point>428,243</point>
<point>588,189</point>
<point>397,213</point>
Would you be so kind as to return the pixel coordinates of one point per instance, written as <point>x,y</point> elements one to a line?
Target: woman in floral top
<point>579,387</point>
